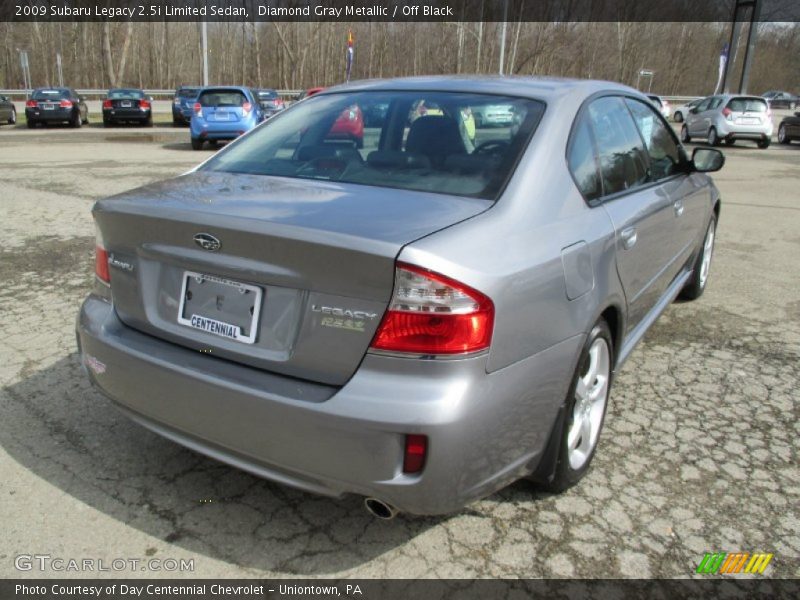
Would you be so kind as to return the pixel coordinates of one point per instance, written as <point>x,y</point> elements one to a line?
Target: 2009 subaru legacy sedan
<point>420,321</point>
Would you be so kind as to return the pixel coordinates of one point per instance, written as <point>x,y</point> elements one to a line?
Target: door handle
<point>678,206</point>
<point>629,237</point>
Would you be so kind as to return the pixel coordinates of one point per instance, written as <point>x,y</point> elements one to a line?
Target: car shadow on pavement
<point>59,428</point>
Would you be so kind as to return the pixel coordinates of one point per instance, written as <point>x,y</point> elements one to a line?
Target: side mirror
<point>707,160</point>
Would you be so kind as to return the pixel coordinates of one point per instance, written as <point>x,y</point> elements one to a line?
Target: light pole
<point>503,36</point>
<point>204,43</point>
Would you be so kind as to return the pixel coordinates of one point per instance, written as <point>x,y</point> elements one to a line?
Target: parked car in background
<point>56,105</point>
<point>680,113</point>
<point>493,115</point>
<point>662,104</point>
<point>309,92</point>
<point>271,103</point>
<point>223,113</point>
<point>420,323</point>
<point>778,99</point>
<point>789,129</point>
<point>126,105</point>
<point>8,112</point>
<point>729,118</point>
<point>183,104</point>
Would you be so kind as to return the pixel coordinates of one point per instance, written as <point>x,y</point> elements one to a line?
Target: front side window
<point>424,141</point>
<point>659,142</point>
<point>623,158</point>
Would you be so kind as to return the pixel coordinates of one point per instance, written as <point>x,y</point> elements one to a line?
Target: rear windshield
<point>427,141</point>
<point>50,94</point>
<point>267,94</point>
<point>222,98</point>
<point>187,92</point>
<point>747,105</point>
<point>125,94</point>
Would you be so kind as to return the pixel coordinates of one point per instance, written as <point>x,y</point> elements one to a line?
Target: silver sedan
<point>419,318</point>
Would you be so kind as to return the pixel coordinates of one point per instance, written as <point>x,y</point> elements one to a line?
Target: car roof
<point>232,88</point>
<point>542,88</point>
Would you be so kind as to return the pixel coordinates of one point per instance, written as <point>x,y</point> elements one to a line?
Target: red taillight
<point>433,314</point>
<point>246,108</point>
<point>415,452</point>
<point>30,104</point>
<point>100,257</point>
<point>107,104</point>
<point>65,104</point>
<point>726,112</point>
<point>144,104</point>
<point>198,108</point>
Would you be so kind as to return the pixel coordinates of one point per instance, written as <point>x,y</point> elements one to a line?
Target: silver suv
<point>728,118</point>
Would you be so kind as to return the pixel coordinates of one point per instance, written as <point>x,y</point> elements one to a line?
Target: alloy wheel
<point>591,395</point>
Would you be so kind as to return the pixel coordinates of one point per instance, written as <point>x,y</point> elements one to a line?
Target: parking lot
<point>699,452</point>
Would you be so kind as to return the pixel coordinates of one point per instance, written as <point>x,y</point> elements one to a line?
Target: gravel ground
<point>699,452</point>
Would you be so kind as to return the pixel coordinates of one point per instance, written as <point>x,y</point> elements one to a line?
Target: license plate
<point>125,104</point>
<point>750,121</point>
<point>48,106</point>
<point>222,116</point>
<point>219,306</point>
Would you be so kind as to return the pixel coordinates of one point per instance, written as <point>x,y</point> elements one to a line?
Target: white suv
<point>729,117</point>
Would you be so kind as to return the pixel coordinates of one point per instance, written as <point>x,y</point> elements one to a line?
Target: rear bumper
<point>126,115</point>
<point>484,430</point>
<point>744,132</point>
<point>37,114</point>
<point>205,130</point>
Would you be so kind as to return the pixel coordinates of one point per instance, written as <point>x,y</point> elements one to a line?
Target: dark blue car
<point>223,113</point>
<point>182,104</point>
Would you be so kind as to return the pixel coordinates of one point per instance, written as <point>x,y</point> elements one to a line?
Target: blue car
<point>223,113</point>
<point>182,104</point>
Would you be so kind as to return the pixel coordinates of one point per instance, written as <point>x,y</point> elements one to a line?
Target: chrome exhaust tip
<point>379,509</point>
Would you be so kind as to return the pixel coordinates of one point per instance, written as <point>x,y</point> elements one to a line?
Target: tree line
<point>684,57</point>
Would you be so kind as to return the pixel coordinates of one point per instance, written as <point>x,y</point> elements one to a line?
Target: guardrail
<point>150,92</point>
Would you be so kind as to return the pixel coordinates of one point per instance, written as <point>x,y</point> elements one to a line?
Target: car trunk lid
<point>284,275</point>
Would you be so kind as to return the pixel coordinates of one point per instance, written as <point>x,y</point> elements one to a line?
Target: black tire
<point>76,120</point>
<point>107,123</point>
<point>695,287</point>
<point>677,117</point>
<point>197,144</point>
<point>730,141</point>
<point>564,474</point>
<point>12,120</point>
<point>764,144</point>
<point>31,124</point>
<point>713,137</point>
<point>685,137</point>
<point>86,119</point>
<point>148,122</point>
<point>783,137</point>
<point>792,105</point>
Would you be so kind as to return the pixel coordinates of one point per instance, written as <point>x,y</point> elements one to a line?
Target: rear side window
<point>747,105</point>
<point>623,158</point>
<point>222,98</point>
<point>659,142</point>
<point>582,162</point>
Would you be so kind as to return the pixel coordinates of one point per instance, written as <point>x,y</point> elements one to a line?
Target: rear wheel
<point>197,144</point>
<point>730,141</point>
<point>764,144</point>
<point>148,122</point>
<point>685,138</point>
<point>792,105</point>
<point>713,137</point>
<point>783,137</point>
<point>76,120</point>
<point>106,122</point>
<point>585,410</point>
<point>12,120</point>
<point>31,124</point>
<point>702,265</point>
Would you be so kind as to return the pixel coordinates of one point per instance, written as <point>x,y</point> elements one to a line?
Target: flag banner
<point>723,61</point>
<point>350,52</point>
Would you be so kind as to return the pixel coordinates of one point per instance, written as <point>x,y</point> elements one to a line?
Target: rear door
<point>221,106</point>
<point>642,213</point>
<point>695,118</point>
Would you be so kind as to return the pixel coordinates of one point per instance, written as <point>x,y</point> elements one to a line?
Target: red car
<point>349,125</point>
